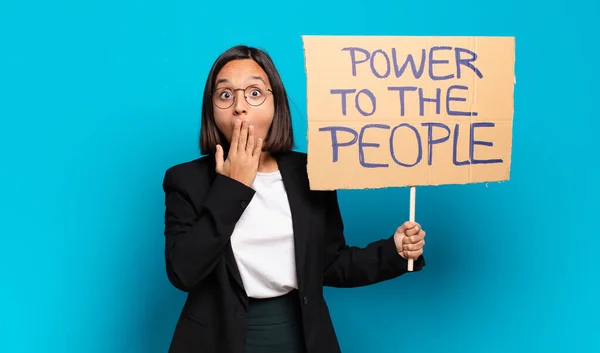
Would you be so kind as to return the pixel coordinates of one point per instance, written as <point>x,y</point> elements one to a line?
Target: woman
<point>247,239</point>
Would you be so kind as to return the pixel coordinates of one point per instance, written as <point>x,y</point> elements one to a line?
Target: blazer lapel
<point>296,185</point>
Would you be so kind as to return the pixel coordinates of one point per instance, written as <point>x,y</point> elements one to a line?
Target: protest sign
<point>389,111</point>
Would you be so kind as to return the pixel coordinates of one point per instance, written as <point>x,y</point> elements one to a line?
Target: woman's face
<point>231,102</point>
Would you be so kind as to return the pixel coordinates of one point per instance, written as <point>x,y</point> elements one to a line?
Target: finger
<point>412,239</point>
<point>250,144</point>
<point>412,254</point>
<point>405,226</point>
<point>258,148</point>
<point>402,228</point>
<point>414,246</point>
<point>413,230</point>
<point>235,136</point>
<point>243,136</point>
<point>219,159</point>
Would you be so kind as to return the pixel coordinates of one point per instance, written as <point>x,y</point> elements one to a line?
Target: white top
<point>263,240</point>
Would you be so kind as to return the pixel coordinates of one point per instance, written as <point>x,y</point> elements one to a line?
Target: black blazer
<point>202,208</point>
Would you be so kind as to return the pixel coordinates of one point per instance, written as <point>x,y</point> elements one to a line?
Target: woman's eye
<point>225,95</point>
<point>256,92</point>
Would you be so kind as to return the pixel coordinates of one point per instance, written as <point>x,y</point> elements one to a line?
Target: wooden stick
<point>412,218</point>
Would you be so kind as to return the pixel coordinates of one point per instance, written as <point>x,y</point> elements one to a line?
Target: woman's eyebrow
<point>224,80</point>
<point>257,78</point>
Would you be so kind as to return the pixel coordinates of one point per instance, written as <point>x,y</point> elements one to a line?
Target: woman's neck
<point>267,163</point>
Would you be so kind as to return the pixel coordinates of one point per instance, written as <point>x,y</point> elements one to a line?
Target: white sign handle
<point>412,218</point>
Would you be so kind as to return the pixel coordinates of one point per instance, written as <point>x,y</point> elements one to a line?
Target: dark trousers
<point>275,326</point>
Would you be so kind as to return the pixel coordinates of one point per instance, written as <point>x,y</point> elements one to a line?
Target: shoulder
<point>184,173</point>
<point>295,158</point>
<point>296,162</point>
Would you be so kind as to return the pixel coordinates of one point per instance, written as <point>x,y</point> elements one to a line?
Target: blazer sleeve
<point>195,240</point>
<point>351,266</point>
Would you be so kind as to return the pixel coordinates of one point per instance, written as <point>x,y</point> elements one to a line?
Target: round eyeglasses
<point>254,95</point>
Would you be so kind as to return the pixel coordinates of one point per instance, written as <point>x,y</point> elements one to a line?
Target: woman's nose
<point>240,106</point>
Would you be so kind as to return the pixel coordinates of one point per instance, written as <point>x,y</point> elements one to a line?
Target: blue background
<point>98,98</point>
